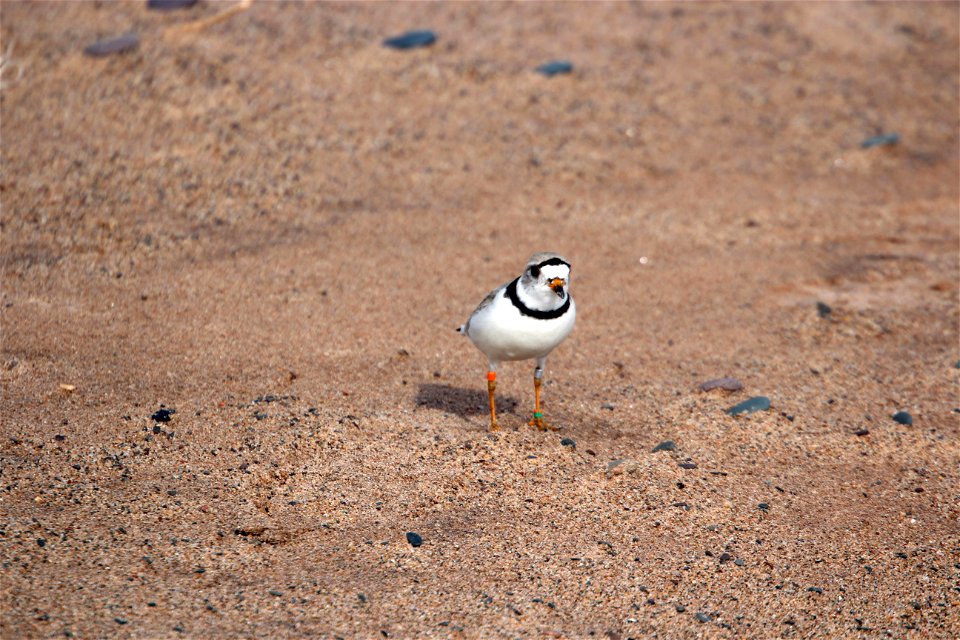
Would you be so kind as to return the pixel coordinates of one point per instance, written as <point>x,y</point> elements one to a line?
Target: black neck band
<point>534,313</point>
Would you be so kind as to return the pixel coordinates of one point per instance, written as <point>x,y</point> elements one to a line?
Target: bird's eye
<point>534,271</point>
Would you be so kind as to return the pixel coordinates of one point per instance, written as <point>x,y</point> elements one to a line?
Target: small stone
<point>689,464</point>
<point>41,542</point>
<point>120,620</point>
<point>763,506</point>
<point>862,432</point>
<point>727,384</point>
<point>110,46</point>
<point>881,140</point>
<point>170,5</point>
<point>162,415</point>
<point>823,309</point>
<point>738,562</point>
<point>725,557</point>
<point>361,597</point>
<point>609,406</point>
<point>681,608</point>
<point>758,403</point>
<point>275,593</point>
<point>59,437</point>
<point>569,442</point>
<point>815,589</point>
<point>902,417</point>
<point>414,539</point>
<point>411,40</point>
<point>555,67</point>
<point>259,415</point>
<point>666,445</point>
<point>700,616</point>
<point>624,465</point>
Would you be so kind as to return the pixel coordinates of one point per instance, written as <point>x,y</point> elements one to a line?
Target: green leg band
<point>537,414</point>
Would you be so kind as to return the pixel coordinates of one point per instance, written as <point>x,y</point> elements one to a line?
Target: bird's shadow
<point>461,402</point>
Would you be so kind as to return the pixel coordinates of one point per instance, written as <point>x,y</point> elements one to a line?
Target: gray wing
<point>486,302</point>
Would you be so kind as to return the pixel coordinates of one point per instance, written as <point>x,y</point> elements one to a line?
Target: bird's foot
<point>541,424</point>
<point>494,426</point>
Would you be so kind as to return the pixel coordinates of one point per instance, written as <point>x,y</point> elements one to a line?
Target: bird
<point>524,319</point>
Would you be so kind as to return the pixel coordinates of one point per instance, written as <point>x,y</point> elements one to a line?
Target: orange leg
<point>538,420</point>
<point>492,388</point>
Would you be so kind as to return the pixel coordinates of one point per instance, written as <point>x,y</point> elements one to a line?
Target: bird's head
<point>547,277</point>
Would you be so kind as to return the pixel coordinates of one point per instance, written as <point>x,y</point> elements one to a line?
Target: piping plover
<point>523,319</point>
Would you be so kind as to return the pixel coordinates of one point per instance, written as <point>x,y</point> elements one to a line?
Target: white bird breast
<point>501,332</point>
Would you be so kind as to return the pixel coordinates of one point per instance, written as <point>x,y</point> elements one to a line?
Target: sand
<point>273,224</point>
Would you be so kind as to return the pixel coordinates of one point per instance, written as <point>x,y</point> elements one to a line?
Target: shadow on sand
<point>462,402</point>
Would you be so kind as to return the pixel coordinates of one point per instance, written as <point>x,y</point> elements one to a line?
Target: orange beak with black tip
<point>557,284</point>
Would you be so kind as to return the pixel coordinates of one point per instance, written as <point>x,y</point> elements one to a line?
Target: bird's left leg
<point>538,420</point>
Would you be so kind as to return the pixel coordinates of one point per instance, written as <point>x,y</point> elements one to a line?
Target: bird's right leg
<point>492,388</point>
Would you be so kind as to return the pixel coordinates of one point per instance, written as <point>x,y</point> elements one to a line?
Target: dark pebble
<point>862,432</point>
<point>110,46</point>
<point>171,492</point>
<point>763,506</point>
<point>568,442</point>
<point>411,40</point>
<point>823,309</point>
<point>120,620</point>
<point>881,140</point>
<point>275,593</point>
<point>361,597</point>
<point>815,589</point>
<point>902,417</point>
<point>738,562</point>
<point>41,542</point>
<point>725,557</point>
<point>414,539</point>
<point>681,608</point>
<point>259,415</point>
<point>170,5</point>
<point>957,365</point>
<point>758,403</point>
<point>555,67</point>
<point>608,406</point>
<point>702,617</point>
<point>901,554</point>
<point>162,415</point>
<point>666,445</point>
<point>688,465</point>
<point>727,384</point>
<point>59,437</point>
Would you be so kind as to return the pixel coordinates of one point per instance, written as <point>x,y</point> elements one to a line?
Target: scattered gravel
<point>902,417</point>
<point>752,405</point>
<point>727,384</point>
<point>109,46</point>
<point>162,415</point>
<point>555,67</point>
<point>411,40</point>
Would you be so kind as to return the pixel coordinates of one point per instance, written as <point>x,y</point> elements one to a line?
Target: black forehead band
<point>558,261</point>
